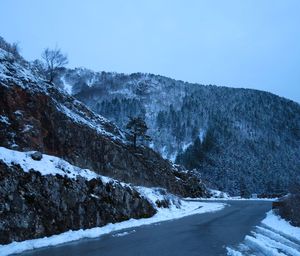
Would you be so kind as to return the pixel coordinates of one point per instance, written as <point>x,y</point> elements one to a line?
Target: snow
<point>27,128</point>
<point>261,246</point>
<point>186,145</point>
<point>91,81</point>
<point>21,72</point>
<point>281,226</point>
<point>236,198</point>
<point>124,233</point>
<point>163,152</point>
<point>233,252</point>
<point>50,165</point>
<point>154,194</point>
<point>18,113</point>
<point>95,196</point>
<point>4,119</point>
<point>67,87</point>
<point>219,194</point>
<point>172,157</point>
<point>125,92</point>
<point>223,196</point>
<point>274,236</point>
<point>14,72</point>
<point>201,135</point>
<point>95,123</point>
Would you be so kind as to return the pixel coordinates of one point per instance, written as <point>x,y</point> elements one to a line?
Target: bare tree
<point>53,59</point>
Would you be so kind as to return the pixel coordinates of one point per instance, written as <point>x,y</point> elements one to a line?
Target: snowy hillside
<point>236,138</point>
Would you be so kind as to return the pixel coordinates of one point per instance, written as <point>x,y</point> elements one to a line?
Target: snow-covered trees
<point>246,134</point>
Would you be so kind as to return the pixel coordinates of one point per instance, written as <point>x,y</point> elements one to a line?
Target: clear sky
<point>237,43</point>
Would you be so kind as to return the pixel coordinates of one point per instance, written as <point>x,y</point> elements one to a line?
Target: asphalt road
<point>203,234</point>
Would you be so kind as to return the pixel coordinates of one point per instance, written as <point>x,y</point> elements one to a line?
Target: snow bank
<point>237,198</point>
<point>48,165</point>
<point>177,208</point>
<point>219,194</point>
<point>282,226</point>
<point>186,209</point>
<point>274,236</point>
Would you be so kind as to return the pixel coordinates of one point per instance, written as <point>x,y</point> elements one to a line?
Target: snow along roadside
<point>187,208</point>
<point>274,236</point>
<point>237,198</point>
<point>50,165</point>
<point>281,226</point>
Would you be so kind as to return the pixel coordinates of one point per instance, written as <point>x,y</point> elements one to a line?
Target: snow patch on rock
<point>48,165</point>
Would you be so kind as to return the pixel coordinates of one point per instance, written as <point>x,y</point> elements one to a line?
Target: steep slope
<point>240,141</point>
<point>37,116</point>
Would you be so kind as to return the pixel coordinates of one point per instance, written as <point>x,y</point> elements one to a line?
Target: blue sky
<point>237,43</point>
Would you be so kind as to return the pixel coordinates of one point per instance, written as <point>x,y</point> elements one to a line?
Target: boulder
<point>37,156</point>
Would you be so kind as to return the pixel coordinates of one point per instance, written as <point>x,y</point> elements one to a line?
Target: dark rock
<point>41,206</point>
<point>162,203</point>
<point>37,156</point>
<point>288,207</point>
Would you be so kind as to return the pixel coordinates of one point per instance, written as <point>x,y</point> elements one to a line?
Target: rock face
<point>288,207</point>
<point>37,116</point>
<point>33,206</point>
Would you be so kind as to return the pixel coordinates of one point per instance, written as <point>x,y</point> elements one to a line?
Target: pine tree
<point>137,128</point>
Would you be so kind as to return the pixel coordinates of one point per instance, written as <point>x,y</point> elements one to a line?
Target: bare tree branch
<point>53,59</point>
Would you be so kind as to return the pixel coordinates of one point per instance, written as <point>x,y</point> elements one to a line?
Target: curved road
<point>203,234</point>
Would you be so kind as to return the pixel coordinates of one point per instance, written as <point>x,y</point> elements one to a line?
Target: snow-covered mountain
<point>239,140</point>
